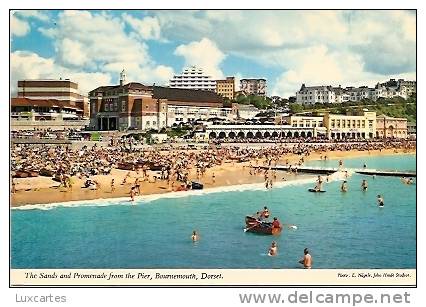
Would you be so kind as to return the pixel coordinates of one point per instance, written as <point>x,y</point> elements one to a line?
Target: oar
<point>246,229</point>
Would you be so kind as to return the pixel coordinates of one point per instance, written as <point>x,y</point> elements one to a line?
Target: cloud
<point>98,42</point>
<point>321,66</point>
<point>204,54</point>
<point>33,14</point>
<point>18,27</point>
<point>147,27</point>
<point>375,43</point>
<point>29,65</point>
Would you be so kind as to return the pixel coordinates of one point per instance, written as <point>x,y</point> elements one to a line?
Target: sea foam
<point>144,199</point>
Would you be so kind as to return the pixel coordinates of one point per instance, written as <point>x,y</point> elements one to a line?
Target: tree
<point>295,107</point>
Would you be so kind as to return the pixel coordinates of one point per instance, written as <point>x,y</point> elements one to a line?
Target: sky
<point>287,47</point>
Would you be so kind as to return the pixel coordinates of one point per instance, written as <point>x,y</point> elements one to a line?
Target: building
<point>34,110</point>
<point>328,94</point>
<point>391,127</point>
<point>65,91</point>
<point>193,78</point>
<point>412,129</point>
<point>315,94</point>
<point>393,88</point>
<point>136,106</point>
<point>257,132</point>
<point>247,111</point>
<point>253,86</point>
<point>187,106</point>
<point>303,121</point>
<point>125,106</point>
<point>350,126</point>
<point>226,88</point>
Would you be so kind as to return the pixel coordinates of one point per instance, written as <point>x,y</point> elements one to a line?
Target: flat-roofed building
<point>193,78</point>
<point>61,90</point>
<point>35,110</point>
<point>350,126</point>
<point>253,86</point>
<point>226,88</point>
<point>391,127</point>
<point>303,121</point>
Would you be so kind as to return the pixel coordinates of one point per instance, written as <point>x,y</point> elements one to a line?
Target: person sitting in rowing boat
<point>273,250</point>
<point>258,215</point>
<point>276,223</point>
<point>264,214</point>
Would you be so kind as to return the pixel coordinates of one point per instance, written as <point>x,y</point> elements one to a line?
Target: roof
<point>186,95</point>
<point>390,117</point>
<point>131,85</point>
<point>16,102</point>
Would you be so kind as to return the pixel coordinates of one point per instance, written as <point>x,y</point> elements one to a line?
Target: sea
<point>341,230</point>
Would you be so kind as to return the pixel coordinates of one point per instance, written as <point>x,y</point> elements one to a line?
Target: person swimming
<point>380,201</point>
<point>194,236</point>
<point>364,185</point>
<point>273,250</point>
<point>344,187</point>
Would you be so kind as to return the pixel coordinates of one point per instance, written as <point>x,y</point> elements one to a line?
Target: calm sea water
<point>342,230</point>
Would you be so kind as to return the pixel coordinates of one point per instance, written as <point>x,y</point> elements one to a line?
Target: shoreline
<point>40,191</point>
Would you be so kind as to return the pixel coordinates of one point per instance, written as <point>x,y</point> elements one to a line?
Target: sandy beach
<point>42,190</point>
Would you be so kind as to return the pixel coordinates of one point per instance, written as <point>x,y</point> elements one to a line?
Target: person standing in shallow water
<point>306,260</point>
<point>273,250</point>
<point>364,185</point>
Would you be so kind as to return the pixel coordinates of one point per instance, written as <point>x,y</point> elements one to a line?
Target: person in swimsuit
<point>112,186</point>
<point>344,187</point>
<point>364,185</point>
<point>380,201</point>
<point>265,213</point>
<point>132,194</point>
<point>273,250</point>
<point>194,236</point>
<point>306,260</point>
<point>276,223</point>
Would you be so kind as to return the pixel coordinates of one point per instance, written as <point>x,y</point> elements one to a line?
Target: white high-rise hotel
<point>193,78</point>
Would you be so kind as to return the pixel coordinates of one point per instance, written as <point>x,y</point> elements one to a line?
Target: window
<point>115,106</point>
<point>147,122</point>
<point>154,123</point>
<point>106,107</point>
<point>123,106</point>
<point>111,107</point>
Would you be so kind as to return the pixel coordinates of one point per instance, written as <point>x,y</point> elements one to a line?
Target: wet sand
<point>43,190</point>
